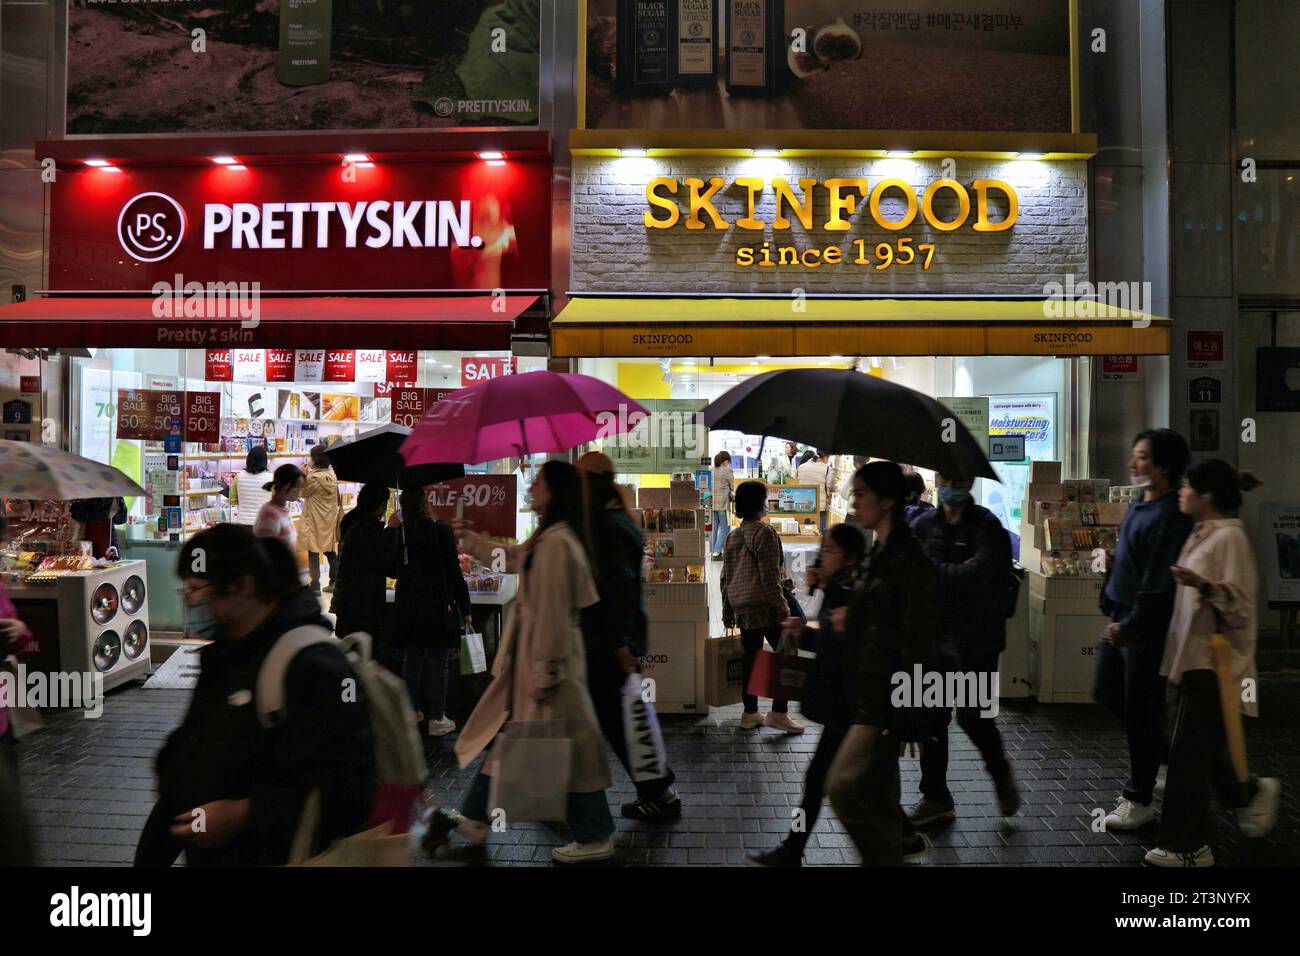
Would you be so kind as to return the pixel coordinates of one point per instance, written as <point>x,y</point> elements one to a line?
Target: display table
<point>1065,627</point>
<point>94,622</point>
<point>677,618</point>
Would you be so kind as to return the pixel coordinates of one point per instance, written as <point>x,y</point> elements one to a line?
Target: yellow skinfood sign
<point>843,196</point>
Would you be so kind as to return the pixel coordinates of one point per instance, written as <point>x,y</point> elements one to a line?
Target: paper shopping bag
<point>779,676</point>
<point>724,671</point>
<point>473,658</point>
<point>647,759</point>
<point>533,761</point>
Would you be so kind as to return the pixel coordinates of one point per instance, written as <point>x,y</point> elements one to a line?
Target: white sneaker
<point>750,721</point>
<point>1159,789</point>
<point>1128,815</point>
<point>1162,857</point>
<point>440,728</point>
<point>584,852</point>
<point>1259,818</point>
<point>784,722</point>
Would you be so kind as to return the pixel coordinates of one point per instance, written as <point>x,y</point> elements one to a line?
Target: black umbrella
<point>845,412</point>
<point>374,458</point>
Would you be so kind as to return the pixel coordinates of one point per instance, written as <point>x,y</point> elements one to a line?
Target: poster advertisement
<point>1033,416</point>
<point>490,505</point>
<point>973,412</point>
<point>829,64</point>
<point>249,364</point>
<point>148,415</point>
<point>340,408</point>
<point>409,406</point>
<point>275,65</point>
<point>203,417</point>
<point>1280,529</point>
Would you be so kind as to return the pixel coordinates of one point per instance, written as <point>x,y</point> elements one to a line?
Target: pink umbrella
<point>517,415</point>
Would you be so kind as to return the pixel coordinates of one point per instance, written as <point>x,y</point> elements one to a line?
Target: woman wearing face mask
<point>1216,587</point>
<point>274,520</point>
<point>890,625</point>
<point>247,784</point>
<point>826,699</point>
<point>540,671</point>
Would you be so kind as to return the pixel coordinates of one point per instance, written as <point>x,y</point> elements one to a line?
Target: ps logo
<point>151,227</point>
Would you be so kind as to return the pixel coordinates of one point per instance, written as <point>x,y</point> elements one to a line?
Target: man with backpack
<point>971,552</point>
<point>278,715</point>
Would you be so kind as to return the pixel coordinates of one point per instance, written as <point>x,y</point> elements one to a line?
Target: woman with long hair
<point>274,520</point>
<point>752,598</point>
<point>1215,594</point>
<point>722,495</point>
<point>540,670</point>
<point>614,628</point>
<point>432,604</point>
<point>318,530</point>
<point>365,555</point>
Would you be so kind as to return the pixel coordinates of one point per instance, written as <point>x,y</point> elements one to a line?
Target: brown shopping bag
<point>533,762</point>
<point>724,670</point>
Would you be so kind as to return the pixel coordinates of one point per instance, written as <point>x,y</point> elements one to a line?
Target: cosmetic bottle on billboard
<point>305,27</point>
<point>755,47</point>
<point>641,60</point>
<point>693,43</point>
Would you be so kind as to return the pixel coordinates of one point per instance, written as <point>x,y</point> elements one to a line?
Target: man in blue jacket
<point>971,552</point>
<point>1138,597</point>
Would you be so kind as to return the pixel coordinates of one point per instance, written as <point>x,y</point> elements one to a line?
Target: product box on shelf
<point>1111,512</point>
<point>688,543</point>
<point>1045,491</point>
<point>653,499</point>
<point>1045,472</point>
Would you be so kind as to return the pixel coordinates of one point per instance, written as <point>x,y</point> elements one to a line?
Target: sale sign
<point>250,365</point>
<point>475,370</point>
<point>340,365</point>
<point>409,406</point>
<point>279,365</point>
<point>489,503</point>
<point>399,367</point>
<point>309,365</point>
<point>371,365</point>
<point>203,417</point>
<point>148,415</point>
<point>217,366</point>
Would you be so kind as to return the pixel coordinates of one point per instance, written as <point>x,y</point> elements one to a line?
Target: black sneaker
<point>1008,794</point>
<point>780,855</point>
<point>927,811</point>
<point>914,847</point>
<point>653,811</point>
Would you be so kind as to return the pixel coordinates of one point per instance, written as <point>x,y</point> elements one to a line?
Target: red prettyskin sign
<point>340,365</point>
<point>217,366</point>
<point>451,223</point>
<point>279,365</point>
<point>203,417</point>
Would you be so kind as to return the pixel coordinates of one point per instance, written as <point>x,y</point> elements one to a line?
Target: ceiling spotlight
<point>899,154</point>
<point>496,162</point>
<point>633,152</point>
<point>356,158</point>
<point>224,160</point>
<point>492,154</point>
<point>98,163</point>
<point>1031,155</point>
<point>767,153</point>
<point>237,167</point>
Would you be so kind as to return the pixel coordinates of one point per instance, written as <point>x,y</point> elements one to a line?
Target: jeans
<point>424,668</point>
<point>719,535</point>
<point>864,790</point>
<point>587,814</point>
<point>313,565</point>
<point>751,640</point>
<point>983,732</point>
<point>1130,685</point>
<point>814,783</point>
<point>1198,759</point>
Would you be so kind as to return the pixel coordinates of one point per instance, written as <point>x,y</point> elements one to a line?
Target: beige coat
<point>318,528</point>
<point>1220,552</point>
<point>543,646</point>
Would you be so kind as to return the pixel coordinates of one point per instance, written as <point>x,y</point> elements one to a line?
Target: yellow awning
<point>630,327</point>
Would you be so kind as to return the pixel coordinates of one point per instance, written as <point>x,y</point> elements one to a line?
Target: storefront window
<point>235,400</point>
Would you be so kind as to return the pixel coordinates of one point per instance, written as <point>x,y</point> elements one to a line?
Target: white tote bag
<point>646,755</point>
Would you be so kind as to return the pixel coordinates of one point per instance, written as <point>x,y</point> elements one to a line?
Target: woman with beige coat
<point>540,672</point>
<point>318,529</point>
<point>1216,595</point>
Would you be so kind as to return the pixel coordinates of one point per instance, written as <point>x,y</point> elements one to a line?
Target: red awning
<point>402,322</point>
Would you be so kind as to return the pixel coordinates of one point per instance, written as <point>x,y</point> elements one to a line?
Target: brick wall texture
<point>613,251</point>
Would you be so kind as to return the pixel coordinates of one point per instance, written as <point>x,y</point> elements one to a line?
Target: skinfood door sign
<point>841,199</point>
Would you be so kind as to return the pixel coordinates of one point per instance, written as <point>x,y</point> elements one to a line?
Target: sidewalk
<point>88,786</point>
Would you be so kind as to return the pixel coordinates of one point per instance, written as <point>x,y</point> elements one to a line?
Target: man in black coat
<point>971,552</point>
<point>249,782</point>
